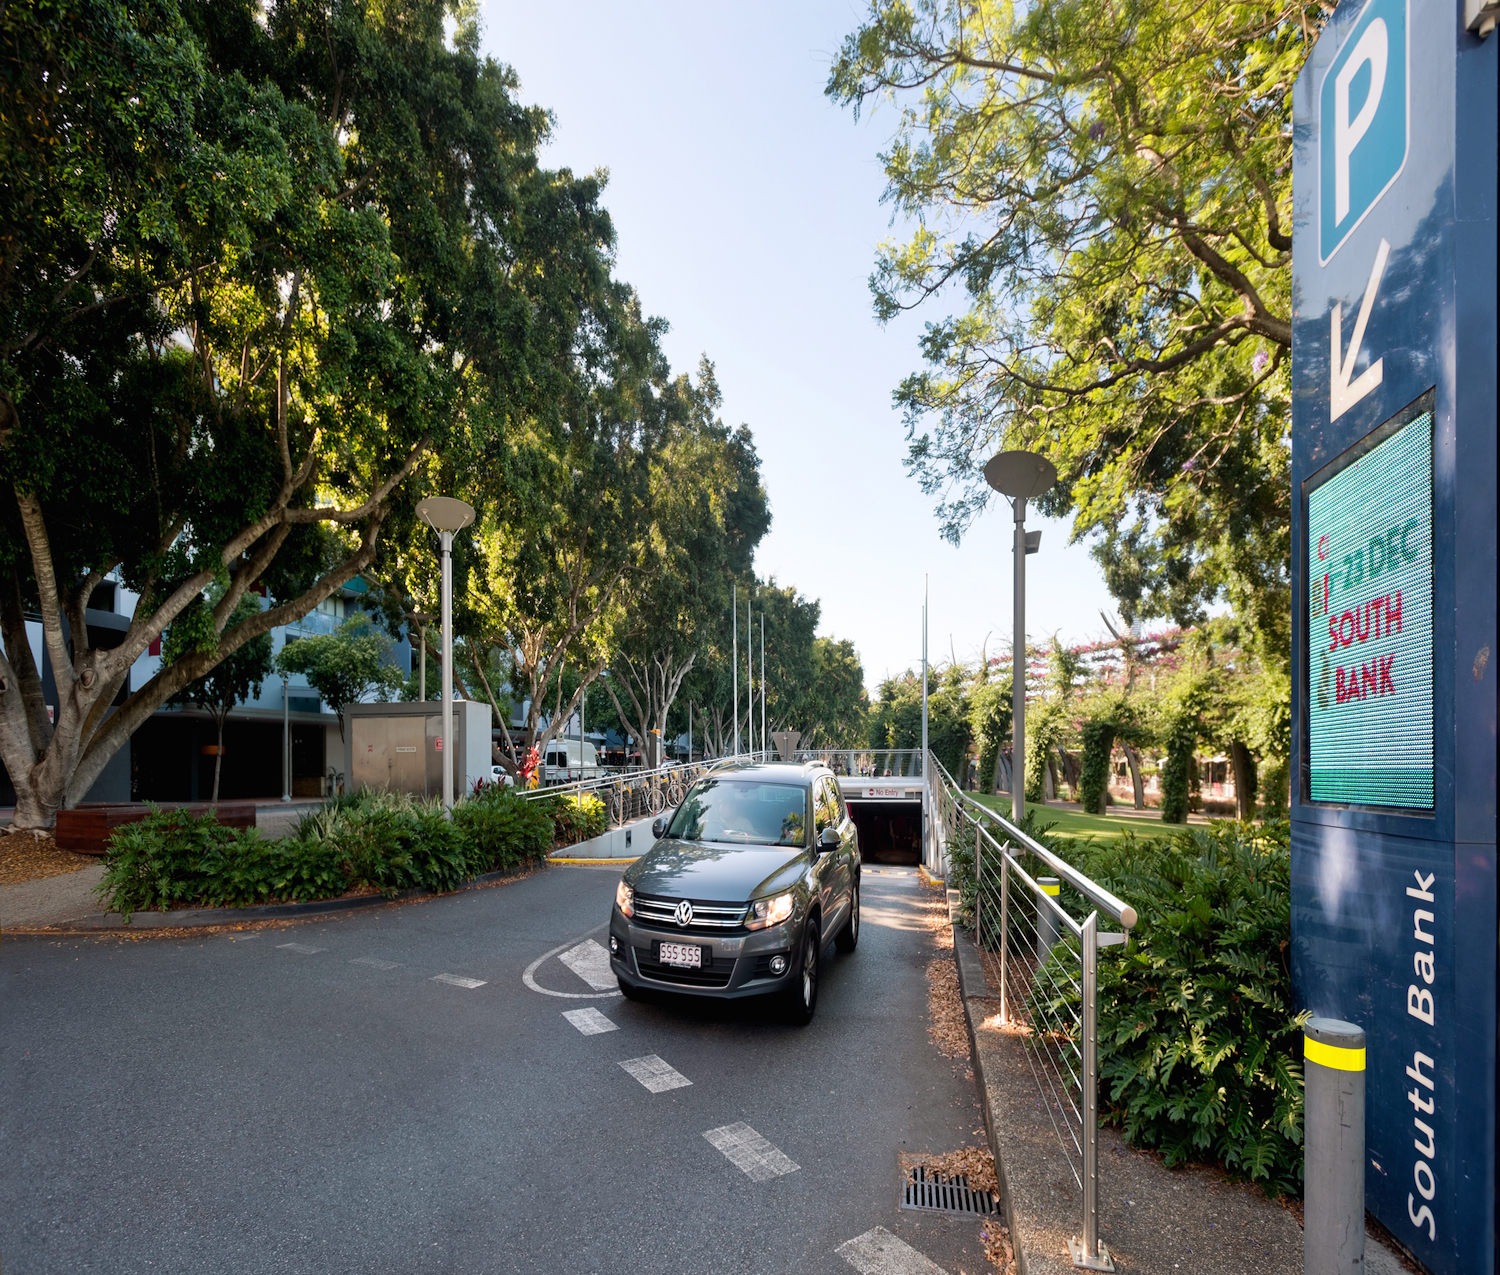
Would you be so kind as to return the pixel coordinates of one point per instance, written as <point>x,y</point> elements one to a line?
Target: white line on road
<point>375,963</point>
<point>750,1153</point>
<point>301,949</point>
<point>878,1252</point>
<point>457,980</point>
<point>591,963</point>
<point>546,956</point>
<point>589,1021</point>
<point>655,1074</point>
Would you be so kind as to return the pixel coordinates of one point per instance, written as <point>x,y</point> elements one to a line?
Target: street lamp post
<point>1021,476</point>
<point>446,515</point>
<point>286,739</point>
<point>422,622</point>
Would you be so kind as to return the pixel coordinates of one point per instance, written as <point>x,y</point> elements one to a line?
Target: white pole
<point>734,662</point>
<point>447,741</point>
<point>690,732</point>
<point>924,672</point>
<point>286,740</point>
<point>763,684</point>
<point>422,677</point>
<point>749,677</point>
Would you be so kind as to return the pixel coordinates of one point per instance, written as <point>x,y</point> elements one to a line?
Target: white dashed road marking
<point>589,1021</point>
<point>301,949</point>
<point>457,980</point>
<point>750,1153</point>
<point>375,963</point>
<point>591,963</point>
<point>655,1074</point>
<point>878,1252</point>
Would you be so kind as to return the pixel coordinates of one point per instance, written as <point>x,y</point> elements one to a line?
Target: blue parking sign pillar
<point>1394,599</point>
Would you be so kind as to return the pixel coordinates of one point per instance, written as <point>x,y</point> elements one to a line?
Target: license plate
<point>683,955</point>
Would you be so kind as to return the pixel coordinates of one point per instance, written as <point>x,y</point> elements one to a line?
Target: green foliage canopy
<point>1110,190</point>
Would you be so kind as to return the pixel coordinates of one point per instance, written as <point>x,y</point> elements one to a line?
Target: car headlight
<point>625,898</point>
<point>772,911</point>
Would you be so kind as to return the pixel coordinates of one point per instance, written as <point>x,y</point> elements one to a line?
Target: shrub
<point>1200,1050</point>
<point>575,817</point>
<point>506,828</point>
<point>1093,778</point>
<point>389,841</point>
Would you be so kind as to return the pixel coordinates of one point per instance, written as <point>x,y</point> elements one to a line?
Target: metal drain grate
<point>932,1192</point>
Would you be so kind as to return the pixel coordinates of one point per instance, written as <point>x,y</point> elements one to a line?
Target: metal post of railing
<point>1004,924</point>
<point>1087,1251</point>
<point>978,889</point>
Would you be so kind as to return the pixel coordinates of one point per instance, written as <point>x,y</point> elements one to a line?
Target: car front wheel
<point>802,999</point>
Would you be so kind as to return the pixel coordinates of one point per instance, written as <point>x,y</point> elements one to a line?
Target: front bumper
<point>736,962</point>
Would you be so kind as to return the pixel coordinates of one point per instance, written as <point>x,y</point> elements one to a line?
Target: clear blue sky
<point>748,212</point>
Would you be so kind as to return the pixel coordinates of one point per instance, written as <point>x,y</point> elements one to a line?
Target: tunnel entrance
<point>889,831</point>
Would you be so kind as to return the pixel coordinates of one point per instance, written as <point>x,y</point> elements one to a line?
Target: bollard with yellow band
<point>1046,919</point>
<point>1333,1233</point>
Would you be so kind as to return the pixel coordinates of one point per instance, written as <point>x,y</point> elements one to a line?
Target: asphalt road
<point>232,1104</point>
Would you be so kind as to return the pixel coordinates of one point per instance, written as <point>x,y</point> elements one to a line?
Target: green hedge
<point>385,840</point>
<point>1200,1050</point>
<point>575,817</point>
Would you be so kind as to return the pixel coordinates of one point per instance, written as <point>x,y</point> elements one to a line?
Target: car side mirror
<point>829,839</point>
<point>658,826</point>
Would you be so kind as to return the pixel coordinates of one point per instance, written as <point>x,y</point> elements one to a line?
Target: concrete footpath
<point>1154,1220</point>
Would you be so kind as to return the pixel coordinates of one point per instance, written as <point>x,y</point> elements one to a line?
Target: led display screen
<point>1369,640</point>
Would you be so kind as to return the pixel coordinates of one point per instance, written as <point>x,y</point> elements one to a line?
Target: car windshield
<point>743,811</point>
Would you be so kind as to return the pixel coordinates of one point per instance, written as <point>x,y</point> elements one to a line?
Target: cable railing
<point>1048,974</point>
<point>874,763</point>
<point>641,793</point>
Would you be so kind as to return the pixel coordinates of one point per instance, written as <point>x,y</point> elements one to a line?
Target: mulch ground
<point>32,856</point>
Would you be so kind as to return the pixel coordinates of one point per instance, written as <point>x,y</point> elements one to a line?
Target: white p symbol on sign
<point>1374,48</point>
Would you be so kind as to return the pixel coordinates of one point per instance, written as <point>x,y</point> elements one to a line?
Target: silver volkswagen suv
<point>748,881</point>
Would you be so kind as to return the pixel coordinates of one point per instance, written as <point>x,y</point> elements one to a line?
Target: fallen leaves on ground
<point>976,1165</point>
<point>947,1030</point>
<point>34,856</point>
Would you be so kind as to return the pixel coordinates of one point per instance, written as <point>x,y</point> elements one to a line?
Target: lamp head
<point>1019,475</point>
<point>444,513</point>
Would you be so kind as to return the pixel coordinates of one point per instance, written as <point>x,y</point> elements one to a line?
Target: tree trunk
<point>1132,759</point>
<point>1244,779</point>
<point>1049,778</point>
<point>219,757</point>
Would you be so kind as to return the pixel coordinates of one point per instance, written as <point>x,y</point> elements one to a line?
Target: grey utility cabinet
<point>399,746</point>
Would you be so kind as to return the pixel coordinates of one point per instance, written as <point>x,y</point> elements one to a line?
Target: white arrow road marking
<point>878,1252</point>
<point>756,1158</point>
<point>591,963</point>
<point>301,949</point>
<point>375,963</point>
<point>589,1021</point>
<point>456,980</point>
<point>656,1075</point>
<point>1342,395</point>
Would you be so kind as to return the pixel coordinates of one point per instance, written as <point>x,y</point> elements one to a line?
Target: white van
<point>570,759</point>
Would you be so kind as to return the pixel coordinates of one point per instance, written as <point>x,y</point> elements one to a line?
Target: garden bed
<point>358,846</point>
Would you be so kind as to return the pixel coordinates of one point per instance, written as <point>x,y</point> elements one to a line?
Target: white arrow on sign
<point>1342,395</point>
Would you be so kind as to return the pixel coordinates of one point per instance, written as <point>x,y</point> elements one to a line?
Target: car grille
<point>717,974</point>
<point>706,915</point>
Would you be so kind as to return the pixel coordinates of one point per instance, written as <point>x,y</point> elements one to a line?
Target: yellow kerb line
<point>1336,1056</point>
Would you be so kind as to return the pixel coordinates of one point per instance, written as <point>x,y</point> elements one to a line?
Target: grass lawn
<point>1077,826</point>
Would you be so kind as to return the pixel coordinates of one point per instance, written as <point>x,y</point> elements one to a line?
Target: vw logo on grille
<point>684,913</point>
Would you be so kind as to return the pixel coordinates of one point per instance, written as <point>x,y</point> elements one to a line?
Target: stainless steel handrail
<point>1038,986</point>
<point>1091,890</point>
